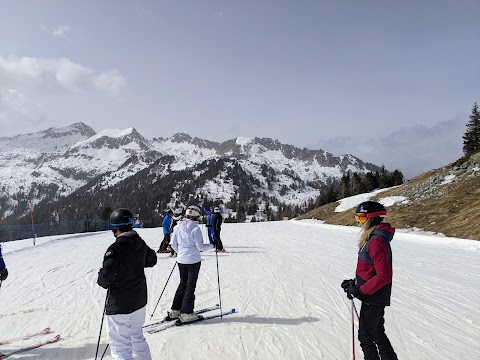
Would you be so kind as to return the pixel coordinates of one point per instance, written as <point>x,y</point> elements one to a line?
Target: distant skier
<point>373,284</point>
<point>123,275</point>
<point>177,216</point>
<point>217,227</point>
<point>3,267</point>
<point>166,223</point>
<point>210,232</point>
<point>187,242</point>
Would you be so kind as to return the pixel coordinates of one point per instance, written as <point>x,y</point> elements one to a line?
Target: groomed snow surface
<point>282,277</point>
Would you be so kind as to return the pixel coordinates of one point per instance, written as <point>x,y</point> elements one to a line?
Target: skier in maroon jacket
<point>373,283</point>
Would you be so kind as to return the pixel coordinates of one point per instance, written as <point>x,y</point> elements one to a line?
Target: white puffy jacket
<point>187,242</point>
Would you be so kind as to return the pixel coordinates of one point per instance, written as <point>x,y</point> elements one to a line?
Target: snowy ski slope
<point>282,277</point>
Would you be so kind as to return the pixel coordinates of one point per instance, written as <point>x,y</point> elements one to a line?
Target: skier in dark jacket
<point>373,283</point>
<point>217,227</point>
<point>123,275</point>
<point>3,267</point>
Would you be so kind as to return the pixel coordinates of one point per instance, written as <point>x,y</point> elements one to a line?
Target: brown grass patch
<point>453,214</point>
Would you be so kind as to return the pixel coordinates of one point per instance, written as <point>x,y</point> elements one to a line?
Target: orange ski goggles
<point>361,218</point>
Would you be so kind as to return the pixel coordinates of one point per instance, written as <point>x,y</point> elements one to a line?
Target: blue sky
<point>377,79</point>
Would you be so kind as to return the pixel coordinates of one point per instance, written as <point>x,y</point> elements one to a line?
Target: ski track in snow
<point>282,277</point>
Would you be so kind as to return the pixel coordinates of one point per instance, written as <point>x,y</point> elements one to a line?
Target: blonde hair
<point>367,230</point>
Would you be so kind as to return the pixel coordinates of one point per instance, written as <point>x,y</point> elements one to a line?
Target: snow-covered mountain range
<point>53,164</point>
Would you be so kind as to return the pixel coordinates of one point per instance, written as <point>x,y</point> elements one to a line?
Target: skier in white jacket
<point>187,242</point>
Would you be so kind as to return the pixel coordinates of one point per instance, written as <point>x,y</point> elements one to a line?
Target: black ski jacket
<point>123,273</point>
<point>217,223</point>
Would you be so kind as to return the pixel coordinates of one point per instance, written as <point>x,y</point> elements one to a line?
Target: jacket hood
<point>384,230</point>
<point>131,238</point>
<point>187,224</point>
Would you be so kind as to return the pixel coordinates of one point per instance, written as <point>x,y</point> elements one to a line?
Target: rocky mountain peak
<point>181,137</point>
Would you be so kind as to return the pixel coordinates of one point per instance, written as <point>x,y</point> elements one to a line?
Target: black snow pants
<point>184,299</point>
<point>165,242</point>
<point>371,334</point>
<point>216,235</point>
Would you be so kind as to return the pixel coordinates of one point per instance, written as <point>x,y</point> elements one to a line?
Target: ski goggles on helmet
<point>361,218</point>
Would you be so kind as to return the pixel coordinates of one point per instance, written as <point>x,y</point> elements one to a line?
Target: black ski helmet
<point>121,219</point>
<point>373,210</point>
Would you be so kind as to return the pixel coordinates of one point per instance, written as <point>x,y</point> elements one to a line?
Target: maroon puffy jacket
<point>374,267</point>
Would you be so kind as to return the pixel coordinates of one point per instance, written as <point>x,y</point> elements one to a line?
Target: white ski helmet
<point>217,209</point>
<point>193,211</point>
<point>177,214</point>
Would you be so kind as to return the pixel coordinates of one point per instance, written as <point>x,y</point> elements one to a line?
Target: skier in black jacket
<point>3,267</point>
<point>124,277</point>
<point>217,227</point>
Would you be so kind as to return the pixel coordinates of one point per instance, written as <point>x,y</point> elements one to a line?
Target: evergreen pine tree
<point>106,213</point>
<point>471,138</point>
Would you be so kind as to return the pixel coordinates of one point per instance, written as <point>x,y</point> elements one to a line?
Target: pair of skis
<point>167,323</point>
<point>46,331</point>
<point>152,328</point>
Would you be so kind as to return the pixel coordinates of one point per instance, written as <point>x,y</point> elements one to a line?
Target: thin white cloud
<point>111,81</point>
<point>412,150</point>
<point>54,74</point>
<point>61,31</point>
<point>17,112</point>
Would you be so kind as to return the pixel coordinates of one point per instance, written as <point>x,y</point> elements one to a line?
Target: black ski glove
<point>347,283</point>
<point>353,291</point>
<point>3,274</point>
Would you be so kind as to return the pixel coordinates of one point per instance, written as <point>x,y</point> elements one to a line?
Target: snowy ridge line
<point>7,354</point>
<point>173,324</point>
<point>26,337</point>
<point>210,308</point>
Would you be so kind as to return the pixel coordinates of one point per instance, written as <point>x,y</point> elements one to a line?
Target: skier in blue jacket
<point>211,233</point>
<point>3,268</point>
<point>167,231</point>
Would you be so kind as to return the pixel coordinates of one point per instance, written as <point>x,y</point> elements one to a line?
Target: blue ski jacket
<point>167,221</point>
<point>210,218</point>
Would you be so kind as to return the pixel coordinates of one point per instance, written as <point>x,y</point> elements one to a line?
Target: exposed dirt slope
<point>445,200</point>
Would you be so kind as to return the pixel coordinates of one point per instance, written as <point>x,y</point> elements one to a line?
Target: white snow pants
<point>125,336</point>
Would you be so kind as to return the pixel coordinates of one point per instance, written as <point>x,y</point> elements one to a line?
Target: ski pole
<point>171,272</point>
<point>218,279</point>
<point>358,317</point>
<point>104,351</point>
<point>353,331</point>
<point>101,324</point>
